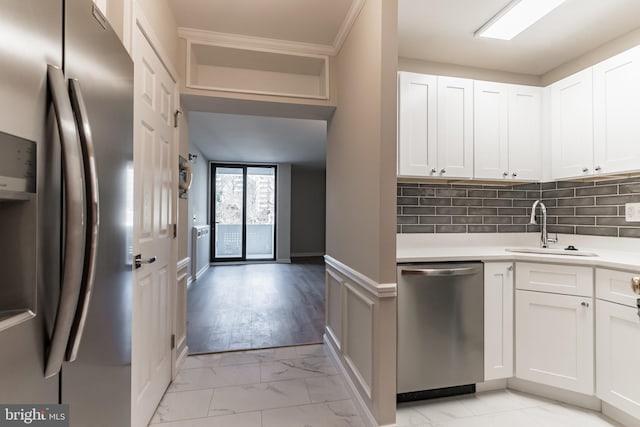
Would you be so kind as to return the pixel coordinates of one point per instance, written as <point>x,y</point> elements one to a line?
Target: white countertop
<point>616,253</point>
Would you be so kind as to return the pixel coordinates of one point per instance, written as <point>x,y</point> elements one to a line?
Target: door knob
<point>139,261</point>
<point>635,285</point>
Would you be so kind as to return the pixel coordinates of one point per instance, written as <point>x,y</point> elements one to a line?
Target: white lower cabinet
<point>554,340</point>
<point>498,320</point>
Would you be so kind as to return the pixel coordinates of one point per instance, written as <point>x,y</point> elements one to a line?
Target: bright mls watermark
<point>34,415</point>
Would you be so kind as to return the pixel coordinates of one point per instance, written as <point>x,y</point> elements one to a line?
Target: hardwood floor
<point>240,307</point>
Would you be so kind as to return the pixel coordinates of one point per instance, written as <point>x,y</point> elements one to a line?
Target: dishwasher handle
<point>462,271</point>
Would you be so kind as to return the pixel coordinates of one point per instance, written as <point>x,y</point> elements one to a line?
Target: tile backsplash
<point>592,208</point>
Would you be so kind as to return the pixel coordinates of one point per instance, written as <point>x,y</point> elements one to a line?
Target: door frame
<point>212,211</point>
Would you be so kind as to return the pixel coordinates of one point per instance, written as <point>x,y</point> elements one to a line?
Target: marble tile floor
<point>300,387</point>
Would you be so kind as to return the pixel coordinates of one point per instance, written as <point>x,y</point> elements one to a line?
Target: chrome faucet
<point>544,236</point>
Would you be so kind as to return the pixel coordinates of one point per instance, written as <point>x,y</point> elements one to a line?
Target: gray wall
<point>198,194</point>
<point>283,213</point>
<point>573,207</point>
<point>307,211</point>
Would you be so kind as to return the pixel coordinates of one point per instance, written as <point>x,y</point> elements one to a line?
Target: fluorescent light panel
<point>516,17</point>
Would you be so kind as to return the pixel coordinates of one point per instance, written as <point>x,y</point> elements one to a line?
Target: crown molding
<point>347,24</point>
<point>252,42</point>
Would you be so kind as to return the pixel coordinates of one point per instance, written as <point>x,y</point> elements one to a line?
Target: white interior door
<point>154,104</point>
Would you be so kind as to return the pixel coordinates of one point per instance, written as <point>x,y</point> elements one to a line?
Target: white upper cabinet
<point>455,127</point>
<point>435,126</point>
<point>616,105</point>
<point>491,130</point>
<point>572,126</point>
<point>507,131</point>
<point>525,132</point>
<point>417,152</point>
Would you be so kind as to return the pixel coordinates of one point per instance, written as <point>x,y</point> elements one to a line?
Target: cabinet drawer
<point>615,286</point>
<point>557,279</point>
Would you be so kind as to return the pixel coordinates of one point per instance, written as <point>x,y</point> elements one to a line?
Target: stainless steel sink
<point>552,251</point>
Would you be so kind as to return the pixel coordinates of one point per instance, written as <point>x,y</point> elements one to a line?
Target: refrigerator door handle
<point>93,218</point>
<point>75,232</point>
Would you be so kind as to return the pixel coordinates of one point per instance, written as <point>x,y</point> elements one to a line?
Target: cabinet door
<point>490,130</point>
<point>554,340</point>
<point>617,355</point>
<point>616,91</point>
<point>525,132</point>
<point>417,155</point>
<point>455,127</point>
<point>572,126</point>
<point>498,320</point>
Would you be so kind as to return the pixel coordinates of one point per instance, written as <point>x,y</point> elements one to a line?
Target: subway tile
<point>398,210</point>
<point>421,191</point>
<point>407,219</point>
<point>512,211</point>
<point>497,202</point>
<point>418,210</point>
<point>427,201</point>
<point>618,181</point>
<point>574,184</point>
<point>550,203</point>
<point>522,203</point>
<point>451,210</point>
<point>450,192</point>
<point>554,194</point>
<point>549,185</point>
<point>496,187</point>
<point>511,194</point>
<point>485,194</point>
<point>617,200</point>
<point>617,221</point>
<point>512,228</point>
<point>533,228</point>
<point>629,232</point>
<point>562,211</point>
<point>595,191</point>
<point>597,231</point>
<point>562,229</point>
<point>466,202</point>
<point>398,191</point>
<point>407,201</point>
<point>595,210</point>
<point>577,220</point>
<point>467,219</point>
<point>418,229</point>
<point>435,220</point>
<point>530,186</point>
<point>398,229</point>
<point>451,228</point>
<point>521,219</point>
<point>534,195</point>
<point>577,201</point>
<point>630,188</point>
<point>497,220</point>
<point>483,211</point>
<point>483,229</point>
<point>408,184</point>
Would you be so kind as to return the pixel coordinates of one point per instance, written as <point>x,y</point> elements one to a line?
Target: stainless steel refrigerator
<point>66,160</point>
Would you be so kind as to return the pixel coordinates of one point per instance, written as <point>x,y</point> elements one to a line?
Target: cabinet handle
<point>443,170</point>
<point>505,174</point>
<point>510,268</point>
<point>598,168</point>
<point>585,169</point>
<point>584,304</point>
<point>514,174</point>
<point>635,285</point>
<point>434,170</point>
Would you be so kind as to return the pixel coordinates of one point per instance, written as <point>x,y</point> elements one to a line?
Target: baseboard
<point>306,254</point>
<point>366,415</point>
<point>620,416</point>
<point>549,392</point>
<point>202,271</point>
<point>189,280</point>
<point>491,385</point>
<point>182,357</point>
<point>284,260</point>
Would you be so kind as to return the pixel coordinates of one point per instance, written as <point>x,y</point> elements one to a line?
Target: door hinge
<point>176,118</point>
<point>175,230</point>
<point>173,341</point>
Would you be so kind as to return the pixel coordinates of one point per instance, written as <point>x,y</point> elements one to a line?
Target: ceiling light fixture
<point>516,17</point>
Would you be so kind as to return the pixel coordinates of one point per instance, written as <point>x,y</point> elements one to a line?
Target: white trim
<point>239,45</point>
<point>147,31</point>
<point>356,373</point>
<point>366,387</point>
<point>189,281</point>
<point>182,357</point>
<point>306,254</point>
<point>362,407</point>
<point>347,24</point>
<point>201,272</point>
<point>253,43</point>
<point>379,290</point>
<point>555,393</point>
<point>183,263</point>
<point>619,415</point>
<point>283,260</point>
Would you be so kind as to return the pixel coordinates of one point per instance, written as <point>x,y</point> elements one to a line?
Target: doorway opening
<point>243,206</point>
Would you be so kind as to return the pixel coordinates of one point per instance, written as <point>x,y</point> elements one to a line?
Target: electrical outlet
<point>632,212</point>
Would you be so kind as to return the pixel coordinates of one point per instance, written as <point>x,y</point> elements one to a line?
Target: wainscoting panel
<point>180,326</point>
<point>333,307</point>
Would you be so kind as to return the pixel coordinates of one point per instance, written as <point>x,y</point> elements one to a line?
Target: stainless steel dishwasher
<point>440,329</point>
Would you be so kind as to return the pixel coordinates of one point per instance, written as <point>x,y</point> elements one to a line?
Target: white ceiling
<point>442,31</point>
<point>304,21</point>
<point>254,139</point>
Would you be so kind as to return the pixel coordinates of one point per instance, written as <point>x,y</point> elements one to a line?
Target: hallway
<point>253,306</point>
